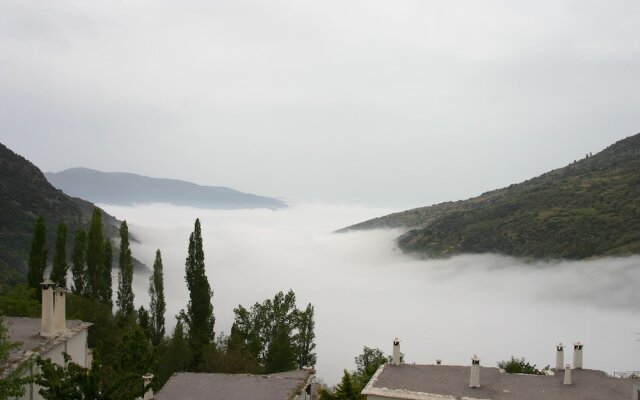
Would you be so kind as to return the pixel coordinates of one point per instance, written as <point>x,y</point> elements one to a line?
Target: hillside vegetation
<point>586,209</point>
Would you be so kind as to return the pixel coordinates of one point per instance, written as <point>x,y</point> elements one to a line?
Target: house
<point>292,385</point>
<point>450,382</point>
<point>48,337</point>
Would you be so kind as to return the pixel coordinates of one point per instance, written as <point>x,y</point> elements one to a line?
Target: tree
<point>519,366</point>
<point>106,292</point>
<point>11,381</point>
<point>157,306</point>
<point>367,364</point>
<point>346,390</point>
<point>125,275</point>
<point>305,338</point>
<point>199,316</point>
<point>60,267</point>
<point>95,256</point>
<point>78,261</point>
<point>38,255</point>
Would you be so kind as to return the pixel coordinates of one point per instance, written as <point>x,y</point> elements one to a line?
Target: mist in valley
<point>366,291</point>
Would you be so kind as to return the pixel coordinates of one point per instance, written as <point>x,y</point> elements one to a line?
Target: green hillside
<point>26,194</point>
<point>589,208</point>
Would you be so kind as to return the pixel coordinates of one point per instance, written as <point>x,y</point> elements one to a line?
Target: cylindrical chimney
<point>567,375</point>
<point>59,310</point>
<point>46,324</point>
<point>474,380</point>
<point>396,352</point>
<point>577,355</point>
<point>559,356</point>
<point>148,393</point>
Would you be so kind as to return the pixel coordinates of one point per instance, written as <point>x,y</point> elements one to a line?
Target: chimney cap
<point>47,282</point>
<point>578,345</point>
<point>60,289</point>
<point>396,341</point>
<point>475,359</point>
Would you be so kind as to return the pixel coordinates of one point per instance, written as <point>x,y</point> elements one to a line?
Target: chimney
<point>559,356</point>
<point>577,355</point>
<point>438,362</point>
<point>474,381</point>
<point>567,375</point>
<point>60,310</point>
<point>148,393</point>
<point>396,352</point>
<point>46,325</point>
<point>636,392</point>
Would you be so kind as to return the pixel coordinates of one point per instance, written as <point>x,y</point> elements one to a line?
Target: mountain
<point>589,208</point>
<point>26,194</point>
<point>128,189</point>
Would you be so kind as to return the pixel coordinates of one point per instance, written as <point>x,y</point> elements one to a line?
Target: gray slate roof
<point>445,382</point>
<point>197,386</point>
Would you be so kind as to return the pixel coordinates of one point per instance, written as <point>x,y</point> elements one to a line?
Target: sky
<point>377,103</point>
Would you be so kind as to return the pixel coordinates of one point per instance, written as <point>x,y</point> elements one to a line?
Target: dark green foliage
<point>78,262</point>
<point>20,301</point>
<point>106,290</point>
<point>11,382</point>
<point>174,355</point>
<point>157,306</point>
<point>275,333</point>
<point>38,255</point>
<point>589,208</point>
<point>95,257</point>
<point>347,389</point>
<point>519,366</point>
<point>125,275</point>
<point>367,364</point>
<point>144,321</point>
<point>199,316</point>
<point>69,382</point>
<point>60,267</point>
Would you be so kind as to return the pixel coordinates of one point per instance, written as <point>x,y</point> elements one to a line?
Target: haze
<point>393,104</point>
<point>366,292</point>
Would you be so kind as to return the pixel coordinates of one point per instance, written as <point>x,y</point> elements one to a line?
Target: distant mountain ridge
<point>589,208</point>
<point>25,194</point>
<point>123,188</point>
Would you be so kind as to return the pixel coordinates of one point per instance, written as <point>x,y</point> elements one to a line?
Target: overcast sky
<point>381,103</point>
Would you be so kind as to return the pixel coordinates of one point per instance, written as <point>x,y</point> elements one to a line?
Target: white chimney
<point>148,394</point>
<point>60,310</point>
<point>559,356</point>
<point>474,381</point>
<point>636,392</point>
<point>46,324</point>
<point>89,358</point>
<point>577,355</point>
<point>396,352</point>
<point>567,375</point>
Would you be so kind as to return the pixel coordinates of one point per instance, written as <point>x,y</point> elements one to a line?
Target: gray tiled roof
<point>197,386</point>
<point>420,381</point>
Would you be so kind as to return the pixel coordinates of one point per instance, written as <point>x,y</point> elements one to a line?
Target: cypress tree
<point>78,261</point>
<point>157,304</point>
<point>95,256</point>
<point>38,255</point>
<point>199,310</point>
<point>60,267</point>
<point>125,275</point>
<point>106,293</point>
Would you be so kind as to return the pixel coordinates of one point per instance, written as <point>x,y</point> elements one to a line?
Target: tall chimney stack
<point>559,356</point>
<point>567,375</point>
<point>474,380</point>
<point>396,352</point>
<point>46,324</point>
<point>60,310</point>
<point>148,393</point>
<point>577,355</point>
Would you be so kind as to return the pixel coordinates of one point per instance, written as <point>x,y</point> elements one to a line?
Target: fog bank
<point>366,292</point>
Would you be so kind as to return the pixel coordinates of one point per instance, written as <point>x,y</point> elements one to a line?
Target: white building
<point>48,337</point>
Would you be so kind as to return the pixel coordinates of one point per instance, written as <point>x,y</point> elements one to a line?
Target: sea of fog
<point>367,292</point>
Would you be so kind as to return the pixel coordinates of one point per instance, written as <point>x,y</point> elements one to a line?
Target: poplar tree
<point>157,306</point>
<point>125,275</point>
<point>106,292</point>
<point>199,315</point>
<point>38,255</point>
<point>95,256</point>
<point>305,338</point>
<point>60,267</point>
<point>78,261</point>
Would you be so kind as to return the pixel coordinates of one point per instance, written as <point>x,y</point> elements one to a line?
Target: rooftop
<point>448,382</point>
<point>26,333</point>
<point>197,386</point>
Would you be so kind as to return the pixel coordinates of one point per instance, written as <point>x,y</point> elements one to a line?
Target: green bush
<point>519,366</point>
